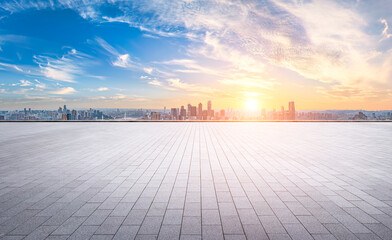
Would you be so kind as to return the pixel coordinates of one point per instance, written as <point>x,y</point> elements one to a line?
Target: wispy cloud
<point>385,33</point>
<point>123,61</point>
<point>101,89</point>
<point>65,68</point>
<point>64,91</point>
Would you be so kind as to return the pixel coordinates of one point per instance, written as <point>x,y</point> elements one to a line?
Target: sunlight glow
<point>251,105</point>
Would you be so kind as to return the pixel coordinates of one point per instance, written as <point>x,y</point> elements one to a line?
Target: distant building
<point>193,113</point>
<point>360,116</point>
<point>200,112</point>
<point>155,116</point>
<point>74,115</point>
<point>222,114</point>
<point>209,107</point>
<point>205,114</point>
<point>182,113</point>
<point>2,117</point>
<point>174,114</point>
<point>291,113</point>
<point>189,111</point>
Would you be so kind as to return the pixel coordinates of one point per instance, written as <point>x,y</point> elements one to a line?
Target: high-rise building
<point>291,113</point>
<point>174,114</point>
<point>182,113</point>
<point>193,113</point>
<point>200,112</point>
<point>205,114</point>
<point>209,106</point>
<point>65,108</point>
<point>189,110</point>
<point>155,116</point>
<point>74,115</point>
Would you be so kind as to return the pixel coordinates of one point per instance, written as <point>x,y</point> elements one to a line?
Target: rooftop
<point>194,180</point>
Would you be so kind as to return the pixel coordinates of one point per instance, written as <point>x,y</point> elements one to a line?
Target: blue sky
<point>150,54</point>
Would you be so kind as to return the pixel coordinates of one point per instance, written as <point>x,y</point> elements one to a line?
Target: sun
<point>252,105</point>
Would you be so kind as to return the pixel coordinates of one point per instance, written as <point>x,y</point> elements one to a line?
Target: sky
<point>322,54</point>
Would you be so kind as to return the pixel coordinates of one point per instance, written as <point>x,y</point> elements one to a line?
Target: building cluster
<point>91,114</point>
<point>60,114</point>
<point>191,112</point>
<point>280,115</point>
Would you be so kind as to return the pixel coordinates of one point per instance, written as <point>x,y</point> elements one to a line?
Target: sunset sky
<point>155,53</point>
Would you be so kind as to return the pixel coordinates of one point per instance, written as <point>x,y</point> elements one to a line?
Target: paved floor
<point>196,180</point>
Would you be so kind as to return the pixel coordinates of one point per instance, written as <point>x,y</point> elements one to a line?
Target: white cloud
<point>64,91</point>
<point>123,61</point>
<point>155,83</point>
<point>148,70</point>
<point>385,34</point>
<point>101,89</point>
<point>25,83</point>
<point>57,74</point>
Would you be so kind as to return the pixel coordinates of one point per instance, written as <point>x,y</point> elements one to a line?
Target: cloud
<point>148,70</point>
<point>65,68</point>
<point>101,89</point>
<point>64,91</point>
<point>239,42</point>
<point>57,74</point>
<point>155,83</point>
<point>12,67</point>
<point>25,83</point>
<point>39,84</point>
<point>385,34</point>
<point>120,97</point>
<point>123,61</point>
<point>175,84</point>
<point>120,60</point>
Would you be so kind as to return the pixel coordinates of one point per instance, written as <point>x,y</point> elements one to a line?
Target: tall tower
<point>291,111</point>
<point>209,108</point>
<point>200,111</point>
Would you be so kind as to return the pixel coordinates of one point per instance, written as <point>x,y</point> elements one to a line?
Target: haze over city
<point>150,54</point>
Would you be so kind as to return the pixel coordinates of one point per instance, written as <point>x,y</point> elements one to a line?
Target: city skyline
<point>145,54</point>
<point>193,113</point>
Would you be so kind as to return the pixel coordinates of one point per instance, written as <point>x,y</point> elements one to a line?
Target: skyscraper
<point>174,114</point>
<point>193,113</point>
<point>209,110</point>
<point>155,116</point>
<point>189,110</point>
<point>182,113</point>
<point>74,115</point>
<point>291,111</point>
<point>200,112</point>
